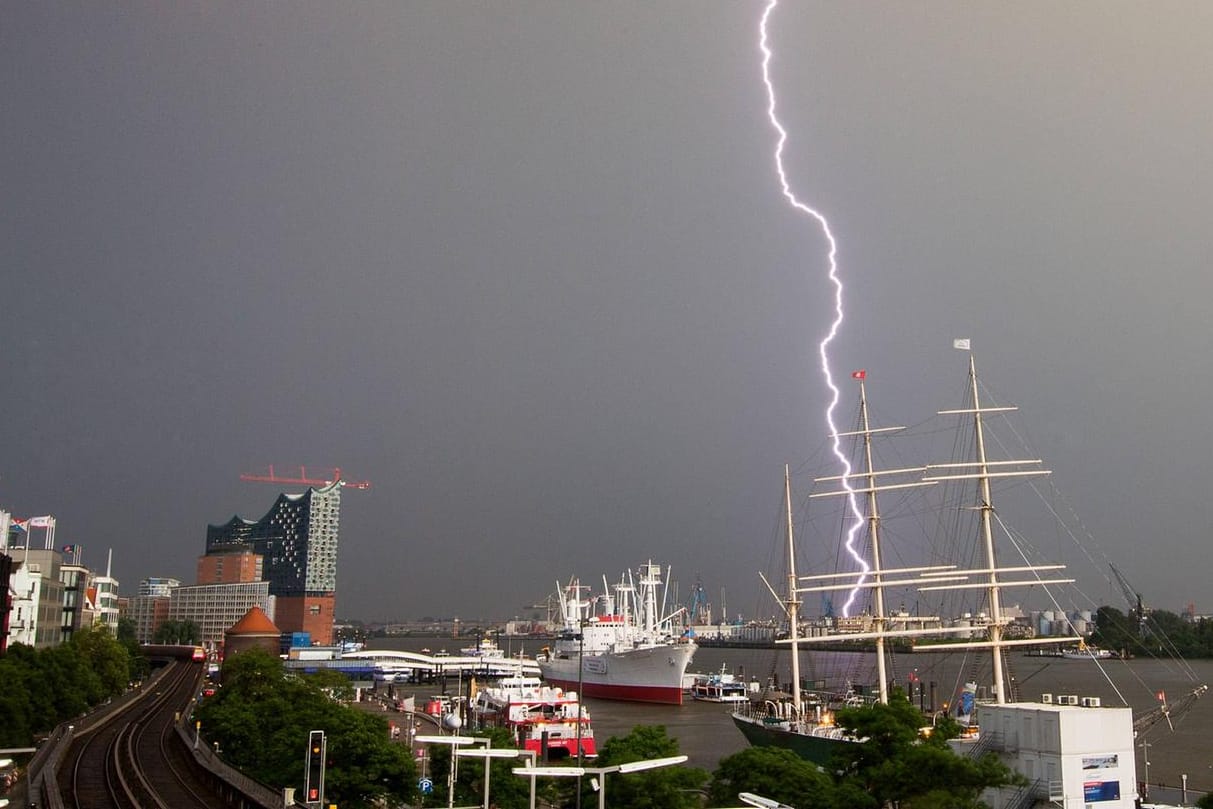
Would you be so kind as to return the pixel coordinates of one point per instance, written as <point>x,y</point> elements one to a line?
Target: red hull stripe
<point>568,745</point>
<point>663,695</point>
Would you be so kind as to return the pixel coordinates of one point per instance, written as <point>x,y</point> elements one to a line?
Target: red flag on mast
<point>859,374</point>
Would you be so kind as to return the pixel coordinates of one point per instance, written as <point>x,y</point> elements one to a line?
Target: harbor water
<point>706,733</point>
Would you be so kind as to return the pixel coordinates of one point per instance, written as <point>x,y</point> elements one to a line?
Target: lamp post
<point>453,741</point>
<point>488,753</point>
<point>555,772</point>
<point>601,772</point>
<point>761,802</point>
<point>1145,757</point>
<point>580,696</point>
<point>631,766</point>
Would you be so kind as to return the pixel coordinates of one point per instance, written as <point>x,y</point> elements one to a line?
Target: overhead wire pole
<point>580,695</point>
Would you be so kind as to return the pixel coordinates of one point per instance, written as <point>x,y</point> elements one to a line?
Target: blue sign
<point>1093,791</point>
<point>426,786</point>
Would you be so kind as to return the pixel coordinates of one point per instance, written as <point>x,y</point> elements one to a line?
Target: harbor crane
<point>322,477</point>
<point>1137,611</point>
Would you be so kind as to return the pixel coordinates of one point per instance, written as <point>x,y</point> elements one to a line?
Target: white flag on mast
<point>962,343</point>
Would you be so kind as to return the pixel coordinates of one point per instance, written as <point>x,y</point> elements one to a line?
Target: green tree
<point>127,634</point>
<point>39,688</point>
<point>128,637</point>
<point>74,684</point>
<point>1114,630</point>
<point>333,683</point>
<point>106,656</point>
<point>16,707</point>
<point>179,632</point>
<point>675,787</point>
<point>897,765</point>
<point>261,719</point>
<point>774,773</point>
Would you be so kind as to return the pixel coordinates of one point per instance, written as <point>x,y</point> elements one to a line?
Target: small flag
<point>40,522</point>
<point>961,343</point>
<point>69,548</point>
<point>859,374</point>
<point>1162,696</point>
<point>19,524</point>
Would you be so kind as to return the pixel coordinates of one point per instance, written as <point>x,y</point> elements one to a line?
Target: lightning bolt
<point>824,346</point>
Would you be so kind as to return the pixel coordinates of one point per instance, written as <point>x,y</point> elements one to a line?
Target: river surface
<point>706,734</point>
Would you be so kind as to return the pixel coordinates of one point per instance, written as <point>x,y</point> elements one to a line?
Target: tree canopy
<point>895,765</point>
<point>261,719</point>
<point>182,632</point>
<point>675,787</point>
<point>39,688</point>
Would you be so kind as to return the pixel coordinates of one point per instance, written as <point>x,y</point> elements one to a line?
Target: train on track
<point>173,651</point>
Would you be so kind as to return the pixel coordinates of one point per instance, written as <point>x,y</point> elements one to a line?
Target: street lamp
<point>601,772</point>
<point>1145,757</point>
<point>453,741</point>
<point>554,772</point>
<point>631,766</point>
<point>760,801</point>
<point>487,753</point>
<point>580,695</point>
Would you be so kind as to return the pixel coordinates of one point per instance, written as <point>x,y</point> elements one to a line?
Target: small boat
<point>721,686</point>
<point>546,720</point>
<point>486,648</point>
<point>1084,652</point>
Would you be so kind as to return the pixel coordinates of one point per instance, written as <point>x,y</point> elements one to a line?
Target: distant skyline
<point>526,268</point>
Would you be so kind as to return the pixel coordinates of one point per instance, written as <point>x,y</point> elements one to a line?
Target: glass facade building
<point>297,541</point>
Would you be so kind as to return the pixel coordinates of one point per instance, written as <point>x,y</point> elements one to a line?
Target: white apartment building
<point>36,618</point>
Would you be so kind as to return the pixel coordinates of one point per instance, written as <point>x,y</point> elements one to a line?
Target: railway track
<point>135,758</point>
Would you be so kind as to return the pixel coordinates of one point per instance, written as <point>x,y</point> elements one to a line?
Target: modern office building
<point>230,565</point>
<point>217,607</point>
<point>297,540</point>
<point>159,586</point>
<point>149,609</point>
<point>74,579</point>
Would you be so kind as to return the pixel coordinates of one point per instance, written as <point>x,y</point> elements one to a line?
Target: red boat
<point>547,720</point>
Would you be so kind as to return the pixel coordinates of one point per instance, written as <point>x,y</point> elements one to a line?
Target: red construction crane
<point>304,479</point>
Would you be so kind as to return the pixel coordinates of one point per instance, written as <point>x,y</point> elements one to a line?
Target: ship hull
<point>817,749</point>
<point>651,674</point>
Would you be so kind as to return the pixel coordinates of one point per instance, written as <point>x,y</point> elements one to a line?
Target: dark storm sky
<point>525,267</point>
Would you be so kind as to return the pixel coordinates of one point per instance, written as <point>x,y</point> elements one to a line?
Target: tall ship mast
<point>806,724</point>
<point>993,578</point>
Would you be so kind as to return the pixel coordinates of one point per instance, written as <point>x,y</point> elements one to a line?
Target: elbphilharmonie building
<point>297,540</point>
